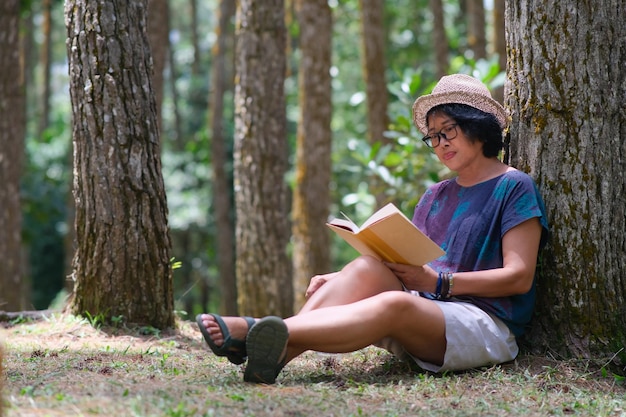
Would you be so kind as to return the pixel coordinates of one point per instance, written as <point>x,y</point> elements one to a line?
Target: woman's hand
<point>416,278</point>
<point>317,281</point>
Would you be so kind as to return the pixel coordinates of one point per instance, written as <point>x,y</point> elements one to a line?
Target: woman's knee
<point>366,267</point>
<point>369,272</point>
<point>364,277</point>
<point>398,303</point>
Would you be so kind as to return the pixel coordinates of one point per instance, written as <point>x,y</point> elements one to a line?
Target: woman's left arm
<point>520,246</point>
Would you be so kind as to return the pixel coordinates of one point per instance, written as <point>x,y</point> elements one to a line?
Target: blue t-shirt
<point>469,223</point>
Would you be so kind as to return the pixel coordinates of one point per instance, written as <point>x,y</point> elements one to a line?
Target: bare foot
<point>237,326</point>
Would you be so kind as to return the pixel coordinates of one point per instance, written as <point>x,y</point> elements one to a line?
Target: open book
<point>390,236</point>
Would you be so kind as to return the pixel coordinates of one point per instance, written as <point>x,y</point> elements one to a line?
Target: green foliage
<point>149,331</point>
<point>97,320</point>
<point>44,189</point>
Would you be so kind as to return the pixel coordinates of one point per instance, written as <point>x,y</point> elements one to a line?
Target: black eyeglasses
<point>447,133</point>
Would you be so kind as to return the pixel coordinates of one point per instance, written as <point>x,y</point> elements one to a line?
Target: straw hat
<point>457,88</point>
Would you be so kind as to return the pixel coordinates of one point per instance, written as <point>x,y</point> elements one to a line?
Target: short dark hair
<point>475,124</point>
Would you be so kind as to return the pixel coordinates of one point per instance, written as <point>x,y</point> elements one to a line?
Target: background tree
<point>566,88</point>
<point>476,38</point>
<point>46,173</point>
<point>46,61</point>
<point>311,201</point>
<point>221,156</point>
<point>122,260</point>
<point>158,35</point>
<point>499,43</point>
<point>440,39</point>
<point>11,152</point>
<point>374,66</point>
<point>264,279</point>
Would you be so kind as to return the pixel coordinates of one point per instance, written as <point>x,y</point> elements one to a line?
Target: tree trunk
<point>261,150</point>
<point>178,140</point>
<point>374,66</point>
<point>122,260</point>
<point>46,58</point>
<point>476,38</point>
<point>440,39</point>
<point>158,34</point>
<point>221,82</point>
<point>566,88</point>
<point>499,43</point>
<point>12,128</point>
<point>195,42</point>
<point>311,238</point>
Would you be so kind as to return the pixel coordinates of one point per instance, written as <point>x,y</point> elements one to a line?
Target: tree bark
<point>476,37</point>
<point>12,127</point>
<point>195,42</point>
<point>178,140</point>
<point>122,259</point>
<point>499,43</point>
<point>221,82</point>
<point>374,67</point>
<point>440,40</point>
<point>262,227</point>
<point>311,238</point>
<point>566,87</point>
<point>158,34</point>
<point>46,64</point>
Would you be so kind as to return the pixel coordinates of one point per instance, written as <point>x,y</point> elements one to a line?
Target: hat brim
<point>423,105</point>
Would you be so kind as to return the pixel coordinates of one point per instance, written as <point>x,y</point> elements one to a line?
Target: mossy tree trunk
<point>122,259</point>
<point>566,90</point>
<point>311,238</point>
<point>264,281</point>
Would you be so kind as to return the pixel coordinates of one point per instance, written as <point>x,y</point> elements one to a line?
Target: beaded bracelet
<point>445,282</point>
<point>451,279</point>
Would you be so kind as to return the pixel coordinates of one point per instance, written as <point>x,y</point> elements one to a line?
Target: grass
<point>63,366</point>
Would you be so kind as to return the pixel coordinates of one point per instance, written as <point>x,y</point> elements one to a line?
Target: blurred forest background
<point>364,173</point>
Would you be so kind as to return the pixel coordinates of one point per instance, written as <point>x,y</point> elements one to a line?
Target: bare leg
<point>417,323</point>
<point>362,305</point>
<point>362,278</point>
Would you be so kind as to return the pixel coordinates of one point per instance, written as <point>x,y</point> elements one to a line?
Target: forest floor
<point>63,366</point>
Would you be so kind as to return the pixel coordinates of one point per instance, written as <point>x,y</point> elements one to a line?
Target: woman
<point>463,310</point>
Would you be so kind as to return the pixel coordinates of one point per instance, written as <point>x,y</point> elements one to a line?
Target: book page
<point>345,224</point>
<point>354,240</point>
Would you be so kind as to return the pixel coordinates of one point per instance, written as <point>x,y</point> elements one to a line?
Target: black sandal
<point>233,349</point>
<point>266,345</point>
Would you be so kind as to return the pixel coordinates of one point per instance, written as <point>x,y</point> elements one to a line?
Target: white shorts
<point>474,339</point>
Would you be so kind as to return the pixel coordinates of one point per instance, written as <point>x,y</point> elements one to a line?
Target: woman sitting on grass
<point>461,311</point>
